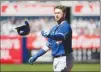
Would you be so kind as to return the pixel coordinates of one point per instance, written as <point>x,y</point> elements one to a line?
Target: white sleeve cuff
<point>45,48</point>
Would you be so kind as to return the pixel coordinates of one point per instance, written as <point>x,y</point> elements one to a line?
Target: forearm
<point>35,56</point>
<point>40,53</point>
<point>58,36</point>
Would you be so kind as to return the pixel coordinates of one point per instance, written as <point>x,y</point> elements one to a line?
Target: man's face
<point>59,15</point>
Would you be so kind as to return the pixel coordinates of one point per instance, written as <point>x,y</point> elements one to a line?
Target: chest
<point>55,30</point>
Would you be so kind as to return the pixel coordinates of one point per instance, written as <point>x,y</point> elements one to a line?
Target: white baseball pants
<point>63,63</point>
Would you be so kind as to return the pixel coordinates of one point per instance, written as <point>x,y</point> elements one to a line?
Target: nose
<point>56,15</point>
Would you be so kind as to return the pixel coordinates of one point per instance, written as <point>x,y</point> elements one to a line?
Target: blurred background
<point>16,50</point>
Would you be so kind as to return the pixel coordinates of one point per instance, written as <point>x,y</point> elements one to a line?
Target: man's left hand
<point>45,34</point>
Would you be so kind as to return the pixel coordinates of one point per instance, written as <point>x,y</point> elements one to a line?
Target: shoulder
<point>65,24</point>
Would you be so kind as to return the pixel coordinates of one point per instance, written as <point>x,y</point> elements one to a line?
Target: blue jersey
<point>61,46</point>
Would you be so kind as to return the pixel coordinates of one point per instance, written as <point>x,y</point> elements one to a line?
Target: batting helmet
<point>23,30</point>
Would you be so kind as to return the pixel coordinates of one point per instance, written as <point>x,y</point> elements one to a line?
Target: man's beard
<point>60,20</point>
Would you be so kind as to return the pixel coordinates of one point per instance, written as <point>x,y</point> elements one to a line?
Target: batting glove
<point>38,54</point>
<point>46,34</point>
<point>32,59</point>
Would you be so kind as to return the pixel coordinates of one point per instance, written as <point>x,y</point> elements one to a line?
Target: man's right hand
<point>32,59</point>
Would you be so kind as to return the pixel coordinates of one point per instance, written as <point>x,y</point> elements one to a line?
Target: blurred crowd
<point>87,26</point>
<point>37,24</point>
<point>79,25</point>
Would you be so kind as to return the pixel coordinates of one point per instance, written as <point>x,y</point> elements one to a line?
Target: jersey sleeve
<point>62,33</point>
<point>49,42</point>
<point>45,48</point>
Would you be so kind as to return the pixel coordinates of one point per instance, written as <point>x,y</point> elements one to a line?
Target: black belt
<point>59,56</point>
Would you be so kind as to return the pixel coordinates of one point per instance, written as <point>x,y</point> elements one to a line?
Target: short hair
<point>63,8</point>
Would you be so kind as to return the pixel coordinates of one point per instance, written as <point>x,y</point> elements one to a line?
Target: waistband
<point>62,55</point>
<point>59,56</point>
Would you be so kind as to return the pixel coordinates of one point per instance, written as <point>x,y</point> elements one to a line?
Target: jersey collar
<point>63,22</point>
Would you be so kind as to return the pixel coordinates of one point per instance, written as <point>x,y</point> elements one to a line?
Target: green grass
<point>47,67</point>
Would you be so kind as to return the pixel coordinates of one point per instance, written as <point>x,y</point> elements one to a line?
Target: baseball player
<point>59,41</point>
